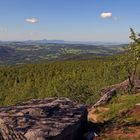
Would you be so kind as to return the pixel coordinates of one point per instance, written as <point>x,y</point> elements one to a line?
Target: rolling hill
<point>27,52</point>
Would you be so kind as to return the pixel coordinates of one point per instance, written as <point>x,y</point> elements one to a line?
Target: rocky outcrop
<point>123,86</point>
<point>105,98</point>
<point>48,119</point>
<point>109,92</point>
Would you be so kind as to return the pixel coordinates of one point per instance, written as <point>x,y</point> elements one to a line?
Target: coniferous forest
<point>78,80</point>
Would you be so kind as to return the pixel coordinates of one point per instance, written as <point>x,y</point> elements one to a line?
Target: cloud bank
<point>32,20</point>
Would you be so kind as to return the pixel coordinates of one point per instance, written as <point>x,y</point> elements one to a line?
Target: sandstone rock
<point>95,115</point>
<point>48,119</point>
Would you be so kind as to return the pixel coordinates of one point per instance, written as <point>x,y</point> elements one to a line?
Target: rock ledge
<point>47,119</point>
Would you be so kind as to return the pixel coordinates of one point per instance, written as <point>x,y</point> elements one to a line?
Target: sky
<point>71,20</point>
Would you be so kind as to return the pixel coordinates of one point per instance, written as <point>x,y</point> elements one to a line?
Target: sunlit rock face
<point>47,119</point>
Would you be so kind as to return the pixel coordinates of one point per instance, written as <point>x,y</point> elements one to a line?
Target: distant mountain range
<point>45,41</point>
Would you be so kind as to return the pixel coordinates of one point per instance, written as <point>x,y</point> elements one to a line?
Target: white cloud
<point>32,20</point>
<point>106,15</point>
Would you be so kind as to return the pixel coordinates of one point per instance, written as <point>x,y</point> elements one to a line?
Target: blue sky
<point>81,20</point>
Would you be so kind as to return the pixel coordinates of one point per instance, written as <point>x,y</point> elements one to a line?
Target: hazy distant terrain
<point>32,51</point>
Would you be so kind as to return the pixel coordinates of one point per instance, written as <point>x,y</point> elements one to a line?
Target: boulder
<point>105,98</point>
<point>46,119</point>
<point>123,87</point>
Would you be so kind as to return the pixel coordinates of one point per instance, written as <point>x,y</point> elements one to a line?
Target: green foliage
<point>78,80</point>
<point>130,60</point>
<point>134,50</point>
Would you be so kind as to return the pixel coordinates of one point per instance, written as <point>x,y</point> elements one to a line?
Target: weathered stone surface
<point>108,92</point>
<point>8,133</point>
<point>123,86</point>
<point>105,98</point>
<point>48,119</point>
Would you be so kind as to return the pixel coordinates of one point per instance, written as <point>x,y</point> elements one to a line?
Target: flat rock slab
<point>47,119</point>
